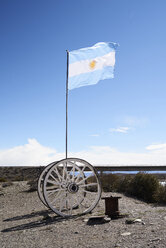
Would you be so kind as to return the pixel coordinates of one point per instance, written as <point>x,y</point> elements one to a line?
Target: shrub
<point>160,194</point>
<point>32,185</point>
<point>2,180</point>
<point>17,178</point>
<point>144,186</point>
<point>7,184</point>
<point>124,185</point>
<point>109,182</point>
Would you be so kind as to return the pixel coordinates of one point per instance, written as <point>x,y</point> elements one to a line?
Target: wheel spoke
<point>79,205</point>
<point>52,191</point>
<point>52,182</point>
<point>79,175</point>
<point>57,197</point>
<point>86,191</point>
<point>87,185</point>
<point>70,204</point>
<point>52,187</point>
<point>54,179</point>
<point>62,204</point>
<point>83,180</point>
<point>73,170</point>
<point>59,176</point>
<point>73,173</point>
<point>65,172</point>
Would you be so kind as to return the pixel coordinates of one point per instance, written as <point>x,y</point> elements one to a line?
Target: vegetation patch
<point>143,186</point>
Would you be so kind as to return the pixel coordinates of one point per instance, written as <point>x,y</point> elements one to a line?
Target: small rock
<point>164,217</point>
<point>129,221</point>
<point>132,221</point>
<point>107,219</point>
<point>157,239</point>
<point>126,234</point>
<point>137,221</point>
<point>85,220</point>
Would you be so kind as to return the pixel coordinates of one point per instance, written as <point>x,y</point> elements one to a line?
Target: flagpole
<point>67,75</point>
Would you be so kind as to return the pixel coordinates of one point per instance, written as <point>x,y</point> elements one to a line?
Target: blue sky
<point>120,120</point>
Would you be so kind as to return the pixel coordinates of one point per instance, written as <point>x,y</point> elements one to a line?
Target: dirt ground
<point>26,222</point>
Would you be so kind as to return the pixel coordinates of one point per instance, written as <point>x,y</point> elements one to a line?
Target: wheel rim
<point>41,181</point>
<point>71,187</point>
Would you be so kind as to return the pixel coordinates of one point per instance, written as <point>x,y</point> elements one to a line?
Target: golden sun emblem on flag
<point>92,64</point>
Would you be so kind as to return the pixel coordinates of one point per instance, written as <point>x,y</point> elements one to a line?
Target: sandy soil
<point>26,222</point>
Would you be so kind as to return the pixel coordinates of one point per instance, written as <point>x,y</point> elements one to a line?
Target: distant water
<point>163,183</point>
<point>135,172</point>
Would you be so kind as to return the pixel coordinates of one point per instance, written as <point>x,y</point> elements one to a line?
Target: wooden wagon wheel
<point>71,187</point>
<point>41,181</point>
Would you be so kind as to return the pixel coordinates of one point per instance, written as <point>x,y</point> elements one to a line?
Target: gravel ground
<point>26,222</point>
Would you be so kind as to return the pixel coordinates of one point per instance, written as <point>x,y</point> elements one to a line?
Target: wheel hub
<point>73,188</point>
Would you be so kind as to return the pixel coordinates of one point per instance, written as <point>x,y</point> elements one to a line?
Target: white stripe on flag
<point>89,65</point>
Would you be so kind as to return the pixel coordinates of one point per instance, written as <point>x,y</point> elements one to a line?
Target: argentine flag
<point>89,65</point>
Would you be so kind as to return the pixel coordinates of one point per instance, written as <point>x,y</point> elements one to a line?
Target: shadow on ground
<point>46,220</point>
<point>28,216</point>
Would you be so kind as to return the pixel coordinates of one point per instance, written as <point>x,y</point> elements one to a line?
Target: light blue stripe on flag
<point>89,65</point>
<point>91,78</point>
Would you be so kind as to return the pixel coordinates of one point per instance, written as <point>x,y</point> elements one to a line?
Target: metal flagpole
<point>67,75</point>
